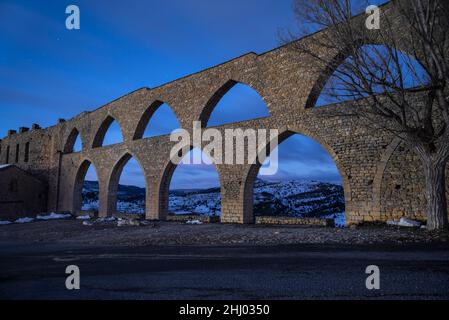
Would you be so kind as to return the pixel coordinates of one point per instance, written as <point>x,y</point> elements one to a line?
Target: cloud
<point>20,96</point>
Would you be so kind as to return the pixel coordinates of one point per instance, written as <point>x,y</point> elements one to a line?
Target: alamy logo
<point>72,22</point>
<point>373,20</point>
<point>373,280</point>
<point>72,282</point>
<point>235,146</point>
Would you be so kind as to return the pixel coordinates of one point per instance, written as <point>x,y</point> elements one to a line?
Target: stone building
<point>382,179</point>
<point>21,194</point>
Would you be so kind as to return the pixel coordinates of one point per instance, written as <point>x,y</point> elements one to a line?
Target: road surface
<point>37,271</point>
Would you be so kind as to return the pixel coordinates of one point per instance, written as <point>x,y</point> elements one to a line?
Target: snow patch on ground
<point>194,222</point>
<point>4,222</point>
<point>24,220</point>
<point>85,217</point>
<point>54,216</point>
<point>405,222</point>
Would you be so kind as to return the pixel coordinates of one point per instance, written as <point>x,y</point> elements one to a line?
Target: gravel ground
<point>173,233</point>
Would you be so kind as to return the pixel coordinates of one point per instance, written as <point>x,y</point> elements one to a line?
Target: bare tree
<point>404,94</point>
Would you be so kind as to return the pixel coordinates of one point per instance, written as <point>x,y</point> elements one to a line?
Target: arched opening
<point>86,191</point>
<point>73,143</point>
<point>159,119</point>
<point>306,184</point>
<point>233,102</point>
<point>78,146</point>
<point>127,187</point>
<point>109,133</point>
<point>372,69</point>
<point>192,187</point>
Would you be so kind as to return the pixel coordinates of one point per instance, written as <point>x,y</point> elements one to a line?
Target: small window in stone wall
<point>17,153</point>
<point>27,152</point>
<point>7,155</point>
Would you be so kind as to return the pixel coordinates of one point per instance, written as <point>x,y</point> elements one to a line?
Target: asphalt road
<point>223,272</point>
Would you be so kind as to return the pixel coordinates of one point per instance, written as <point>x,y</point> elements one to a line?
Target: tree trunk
<point>435,178</point>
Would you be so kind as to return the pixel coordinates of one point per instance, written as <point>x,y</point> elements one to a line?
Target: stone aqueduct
<point>382,179</point>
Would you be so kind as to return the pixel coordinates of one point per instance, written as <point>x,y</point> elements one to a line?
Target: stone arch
<point>146,117</point>
<point>250,175</point>
<point>218,95</point>
<point>79,182</point>
<point>332,66</point>
<point>323,78</point>
<point>164,181</point>
<point>71,140</point>
<point>103,129</point>
<point>114,179</point>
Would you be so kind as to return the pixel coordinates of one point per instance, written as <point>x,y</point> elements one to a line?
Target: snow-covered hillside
<point>291,198</point>
<point>298,198</point>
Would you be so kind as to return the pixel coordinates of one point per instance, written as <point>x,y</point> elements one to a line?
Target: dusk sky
<point>48,72</point>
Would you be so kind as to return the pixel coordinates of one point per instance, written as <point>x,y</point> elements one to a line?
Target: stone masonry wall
<point>403,192</point>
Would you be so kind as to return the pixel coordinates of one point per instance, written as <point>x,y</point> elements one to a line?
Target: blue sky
<point>48,72</point>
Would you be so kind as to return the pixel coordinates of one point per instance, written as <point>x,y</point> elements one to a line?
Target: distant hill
<point>287,198</point>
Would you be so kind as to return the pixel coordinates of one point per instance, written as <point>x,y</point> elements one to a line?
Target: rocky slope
<point>287,198</point>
